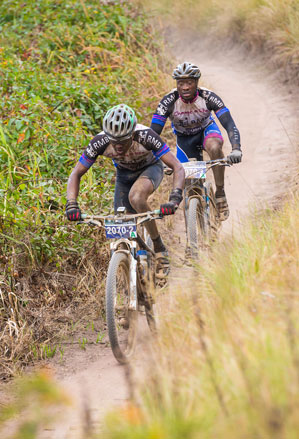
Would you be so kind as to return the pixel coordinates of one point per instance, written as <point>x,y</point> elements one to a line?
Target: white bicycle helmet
<point>119,122</point>
<point>186,70</point>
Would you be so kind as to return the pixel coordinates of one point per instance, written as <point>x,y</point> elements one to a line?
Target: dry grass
<point>269,27</point>
<point>39,308</point>
<point>227,356</point>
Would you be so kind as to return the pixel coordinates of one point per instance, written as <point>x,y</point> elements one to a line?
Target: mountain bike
<point>201,215</point>
<point>200,210</point>
<point>130,277</point>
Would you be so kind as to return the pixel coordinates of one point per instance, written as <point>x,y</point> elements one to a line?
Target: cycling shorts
<point>192,146</point>
<point>126,178</point>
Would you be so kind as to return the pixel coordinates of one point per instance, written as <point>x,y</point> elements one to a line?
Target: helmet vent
<point>119,122</point>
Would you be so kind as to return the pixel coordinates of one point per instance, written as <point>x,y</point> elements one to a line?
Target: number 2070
<point>119,230</point>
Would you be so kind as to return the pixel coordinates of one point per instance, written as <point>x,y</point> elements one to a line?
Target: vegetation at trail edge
<point>63,64</point>
<point>268,27</point>
<point>226,360</point>
<point>40,399</point>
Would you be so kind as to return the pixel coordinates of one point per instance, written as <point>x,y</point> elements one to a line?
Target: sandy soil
<point>264,112</point>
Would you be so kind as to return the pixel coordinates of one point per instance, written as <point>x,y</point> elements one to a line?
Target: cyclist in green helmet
<point>137,153</point>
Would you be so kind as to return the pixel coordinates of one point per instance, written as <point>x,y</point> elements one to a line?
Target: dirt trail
<point>265,116</point>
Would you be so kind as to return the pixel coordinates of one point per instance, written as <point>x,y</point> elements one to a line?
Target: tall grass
<point>267,26</point>
<point>226,360</point>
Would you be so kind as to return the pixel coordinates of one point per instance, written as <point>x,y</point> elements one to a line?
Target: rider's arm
<point>163,111</point>
<point>72,209</point>
<point>74,181</point>
<point>176,195</point>
<point>228,123</point>
<point>216,104</point>
<point>157,128</point>
<point>172,162</point>
<point>95,147</point>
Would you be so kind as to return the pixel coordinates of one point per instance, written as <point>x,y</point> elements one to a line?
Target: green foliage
<point>62,65</point>
<point>100,337</point>
<point>82,343</point>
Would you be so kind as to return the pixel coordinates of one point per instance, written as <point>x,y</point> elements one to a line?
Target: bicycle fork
<point>129,251</point>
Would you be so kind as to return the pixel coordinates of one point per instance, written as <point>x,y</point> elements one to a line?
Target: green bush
<point>62,65</point>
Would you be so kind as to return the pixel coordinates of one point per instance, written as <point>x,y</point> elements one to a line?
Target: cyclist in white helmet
<point>189,108</point>
<point>137,152</point>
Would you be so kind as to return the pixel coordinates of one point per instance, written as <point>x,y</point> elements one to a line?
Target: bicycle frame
<point>195,186</point>
<point>127,245</point>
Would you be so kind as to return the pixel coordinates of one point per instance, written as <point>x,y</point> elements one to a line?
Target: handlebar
<point>220,162</point>
<point>140,218</point>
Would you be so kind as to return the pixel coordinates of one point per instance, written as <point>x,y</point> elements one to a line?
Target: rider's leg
<point>124,181</point>
<point>138,197</point>
<point>213,142</point>
<point>213,147</point>
<point>139,193</point>
<point>189,147</point>
<point>143,187</point>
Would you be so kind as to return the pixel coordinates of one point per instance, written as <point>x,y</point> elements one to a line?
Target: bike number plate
<point>124,229</point>
<point>195,169</point>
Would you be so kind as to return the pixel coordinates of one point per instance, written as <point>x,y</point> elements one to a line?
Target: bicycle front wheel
<point>121,321</point>
<point>214,222</point>
<point>197,226</point>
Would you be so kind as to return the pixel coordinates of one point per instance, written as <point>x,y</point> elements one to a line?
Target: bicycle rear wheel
<point>121,321</point>
<point>197,226</point>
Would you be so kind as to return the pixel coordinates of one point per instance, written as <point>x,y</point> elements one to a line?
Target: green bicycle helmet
<point>119,122</point>
<point>186,70</point>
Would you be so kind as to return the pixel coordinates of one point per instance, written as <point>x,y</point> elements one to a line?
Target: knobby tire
<point>122,340</point>
<point>197,225</point>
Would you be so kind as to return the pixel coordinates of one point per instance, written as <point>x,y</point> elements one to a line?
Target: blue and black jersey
<point>189,118</point>
<point>147,148</point>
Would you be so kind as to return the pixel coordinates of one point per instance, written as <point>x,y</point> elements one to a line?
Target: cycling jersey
<point>147,148</point>
<point>188,118</point>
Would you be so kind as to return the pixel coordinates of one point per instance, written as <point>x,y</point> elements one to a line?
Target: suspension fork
<point>129,248</point>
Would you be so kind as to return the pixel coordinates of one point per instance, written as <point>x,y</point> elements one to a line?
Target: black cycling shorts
<point>192,146</point>
<point>126,178</point>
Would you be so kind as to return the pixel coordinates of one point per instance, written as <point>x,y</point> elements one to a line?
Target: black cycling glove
<point>175,198</point>
<point>72,210</point>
